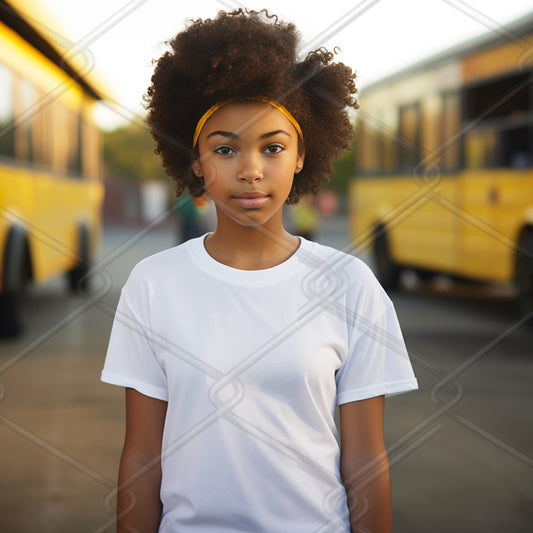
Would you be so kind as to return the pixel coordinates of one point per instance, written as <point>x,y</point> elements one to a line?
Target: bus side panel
<point>51,209</point>
<point>54,240</point>
<point>493,204</point>
<point>420,224</point>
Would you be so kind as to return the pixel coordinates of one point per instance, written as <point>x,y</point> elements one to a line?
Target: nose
<point>250,170</point>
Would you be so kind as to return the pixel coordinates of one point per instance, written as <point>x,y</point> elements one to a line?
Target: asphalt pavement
<point>460,448</point>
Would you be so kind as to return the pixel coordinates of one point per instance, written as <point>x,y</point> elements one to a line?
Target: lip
<point>251,199</point>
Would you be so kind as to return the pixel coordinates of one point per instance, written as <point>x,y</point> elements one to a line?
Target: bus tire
<point>16,272</point>
<point>387,272</point>
<point>524,274</point>
<point>10,317</point>
<point>78,280</point>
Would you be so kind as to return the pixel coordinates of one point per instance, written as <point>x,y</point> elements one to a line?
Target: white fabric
<point>252,364</point>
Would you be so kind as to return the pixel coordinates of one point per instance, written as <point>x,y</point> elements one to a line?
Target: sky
<point>118,39</point>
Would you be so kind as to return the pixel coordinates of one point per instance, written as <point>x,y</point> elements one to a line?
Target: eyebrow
<point>232,135</point>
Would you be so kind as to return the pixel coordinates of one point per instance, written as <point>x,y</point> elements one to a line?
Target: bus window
<point>409,137</point>
<point>24,133</point>
<point>66,140</point>
<point>74,160</point>
<point>43,117</point>
<point>498,112</point>
<point>450,128</point>
<point>388,134</point>
<point>7,141</point>
<point>516,147</point>
<point>368,160</point>
<point>71,137</point>
<point>497,98</point>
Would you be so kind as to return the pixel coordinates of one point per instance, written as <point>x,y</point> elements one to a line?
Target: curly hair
<point>249,54</point>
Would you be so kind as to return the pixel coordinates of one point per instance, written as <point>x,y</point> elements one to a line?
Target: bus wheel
<point>524,274</point>
<point>388,273</point>
<point>77,277</point>
<point>16,274</point>
<point>10,320</point>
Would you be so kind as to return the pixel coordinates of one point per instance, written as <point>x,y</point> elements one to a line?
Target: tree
<point>344,170</point>
<point>129,154</point>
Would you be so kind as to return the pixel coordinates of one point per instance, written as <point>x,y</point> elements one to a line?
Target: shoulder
<point>339,274</point>
<point>339,263</point>
<point>157,268</point>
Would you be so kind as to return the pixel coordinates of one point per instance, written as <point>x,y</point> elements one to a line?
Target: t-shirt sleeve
<point>131,359</point>
<point>377,362</point>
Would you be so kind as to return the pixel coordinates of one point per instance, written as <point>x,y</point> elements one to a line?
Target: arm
<point>364,465</point>
<point>139,479</point>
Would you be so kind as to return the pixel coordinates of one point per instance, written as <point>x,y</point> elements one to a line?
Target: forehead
<point>244,118</point>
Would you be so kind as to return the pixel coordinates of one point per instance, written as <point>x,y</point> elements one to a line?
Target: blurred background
<point>436,195</point>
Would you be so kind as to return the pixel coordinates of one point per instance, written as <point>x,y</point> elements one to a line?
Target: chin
<point>251,218</point>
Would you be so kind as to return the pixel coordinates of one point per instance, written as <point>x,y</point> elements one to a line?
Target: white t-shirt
<point>252,365</point>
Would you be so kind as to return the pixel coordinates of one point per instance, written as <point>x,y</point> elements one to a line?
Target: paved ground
<point>460,448</point>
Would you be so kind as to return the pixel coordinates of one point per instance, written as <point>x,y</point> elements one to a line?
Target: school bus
<point>50,160</point>
<point>444,165</point>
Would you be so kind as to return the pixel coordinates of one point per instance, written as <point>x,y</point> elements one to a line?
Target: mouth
<point>251,199</point>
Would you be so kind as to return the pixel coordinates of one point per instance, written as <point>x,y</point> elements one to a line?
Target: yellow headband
<point>207,115</point>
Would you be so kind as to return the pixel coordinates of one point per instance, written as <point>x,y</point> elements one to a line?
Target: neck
<point>251,248</point>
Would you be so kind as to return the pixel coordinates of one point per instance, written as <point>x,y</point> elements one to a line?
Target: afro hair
<point>246,54</point>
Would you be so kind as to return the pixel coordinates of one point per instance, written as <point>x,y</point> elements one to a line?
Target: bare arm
<point>139,480</point>
<point>364,465</point>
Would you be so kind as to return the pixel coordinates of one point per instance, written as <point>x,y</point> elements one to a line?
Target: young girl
<point>236,347</point>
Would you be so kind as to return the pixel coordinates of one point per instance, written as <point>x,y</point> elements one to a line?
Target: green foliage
<point>343,173</point>
<point>129,154</point>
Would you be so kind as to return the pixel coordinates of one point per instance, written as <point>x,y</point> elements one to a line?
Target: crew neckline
<point>211,266</point>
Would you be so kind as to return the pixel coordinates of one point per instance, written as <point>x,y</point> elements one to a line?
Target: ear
<point>197,168</point>
<point>300,161</point>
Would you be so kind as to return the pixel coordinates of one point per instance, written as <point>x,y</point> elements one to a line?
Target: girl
<point>236,347</point>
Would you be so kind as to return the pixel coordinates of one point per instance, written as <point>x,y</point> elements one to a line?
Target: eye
<point>224,150</point>
<point>274,148</point>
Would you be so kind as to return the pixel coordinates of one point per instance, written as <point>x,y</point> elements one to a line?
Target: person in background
<point>305,218</point>
<point>189,218</point>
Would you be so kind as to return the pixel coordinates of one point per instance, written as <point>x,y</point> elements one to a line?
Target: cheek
<point>286,178</point>
<point>213,177</point>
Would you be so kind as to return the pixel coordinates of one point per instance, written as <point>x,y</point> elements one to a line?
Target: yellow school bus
<point>50,160</point>
<point>444,168</point>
